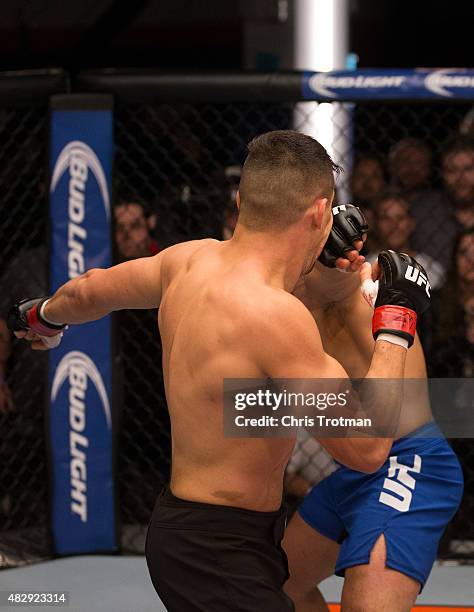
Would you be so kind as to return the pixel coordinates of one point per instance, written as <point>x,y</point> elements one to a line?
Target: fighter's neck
<point>279,258</point>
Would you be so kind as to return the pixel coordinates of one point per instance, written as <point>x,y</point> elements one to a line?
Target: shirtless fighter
<point>380,530</point>
<point>227,311</point>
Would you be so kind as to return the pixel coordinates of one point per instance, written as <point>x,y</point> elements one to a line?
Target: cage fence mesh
<point>182,163</point>
<point>23,272</point>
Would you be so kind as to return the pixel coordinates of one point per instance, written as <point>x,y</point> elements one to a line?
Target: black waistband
<point>181,513</point>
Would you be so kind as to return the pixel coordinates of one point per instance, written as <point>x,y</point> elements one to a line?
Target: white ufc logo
<point>337,209</point>
<point>402,484</point>
<point>415,276</point>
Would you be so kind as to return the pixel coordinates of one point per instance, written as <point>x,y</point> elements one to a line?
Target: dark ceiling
<point>192,34</point>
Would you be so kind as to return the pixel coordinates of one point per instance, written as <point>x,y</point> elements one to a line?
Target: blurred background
<point>216,34</point>
<point>177,154</point>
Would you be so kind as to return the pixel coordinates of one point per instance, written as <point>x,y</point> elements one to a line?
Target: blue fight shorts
<point>409,500</point>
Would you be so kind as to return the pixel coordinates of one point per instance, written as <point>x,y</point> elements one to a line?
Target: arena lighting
<point>321,44</point>
<point>321,34</point>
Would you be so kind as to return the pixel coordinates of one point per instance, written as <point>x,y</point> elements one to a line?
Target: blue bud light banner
<point>390,84</point>
<point>80,370</point>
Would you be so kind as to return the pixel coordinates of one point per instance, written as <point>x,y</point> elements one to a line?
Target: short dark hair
<point>408,143</point>
<point>130,199</point>
<point>283,173</point>
<point>458,144</point>
<point>372,156</point>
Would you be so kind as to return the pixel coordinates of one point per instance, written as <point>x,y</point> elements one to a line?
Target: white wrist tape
<point>403,342</point>
<point>369,290</point>
<point>50,341</point>
<point>42,315</point>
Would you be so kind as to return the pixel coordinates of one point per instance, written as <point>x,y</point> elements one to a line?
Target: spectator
<point>453,314</point>
<point>368,181</point>
<point>133,229</point>
<point>410,165</point>
<point>457,170</point>
<point>145,443</point>
<point>467,124</point>
<point>452,356</point>
<point>441,216</point>
<point>394,227</point>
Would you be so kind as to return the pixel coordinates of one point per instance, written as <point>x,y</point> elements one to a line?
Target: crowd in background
<point>427,211</point>
<point>414,203</point>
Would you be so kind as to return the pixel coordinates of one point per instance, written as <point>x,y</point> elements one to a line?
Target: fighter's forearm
<point>388,361</point>
<point>75,303</point>
<point>381,397</point>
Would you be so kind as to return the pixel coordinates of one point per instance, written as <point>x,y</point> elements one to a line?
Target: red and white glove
<point>402,294</point>
<point>27,315</point>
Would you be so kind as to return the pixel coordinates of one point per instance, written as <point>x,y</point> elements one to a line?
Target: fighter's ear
<point>319,208</point>
<point>237,200</point>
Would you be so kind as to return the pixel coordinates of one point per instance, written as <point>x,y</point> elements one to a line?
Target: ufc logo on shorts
<point>415,276</point>
<point>401,483</point>
<point>337,209</point>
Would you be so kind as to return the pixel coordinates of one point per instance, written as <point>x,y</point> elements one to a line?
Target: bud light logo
<point>440,81</point>
<point>78,369</point>
<point>330,85</point>
<point>391,84</point>
<point>80,417</point>
<point>80,160</point>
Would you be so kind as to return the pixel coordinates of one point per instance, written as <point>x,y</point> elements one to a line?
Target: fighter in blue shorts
<point>379,530</point>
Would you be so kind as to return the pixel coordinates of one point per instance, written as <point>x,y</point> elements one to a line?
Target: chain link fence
<point>24,520</point>
<point>184,160</point>
<point>176,168</point>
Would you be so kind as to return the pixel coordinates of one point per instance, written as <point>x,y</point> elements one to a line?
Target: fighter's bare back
<point>208,320</point>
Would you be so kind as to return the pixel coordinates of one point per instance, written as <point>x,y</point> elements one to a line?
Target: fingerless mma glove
<point>349,223</point>
<point>26,315</point>
<point>404,293</point>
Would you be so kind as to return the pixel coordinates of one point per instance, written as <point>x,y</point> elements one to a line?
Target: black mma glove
<point>349,223</point>
<point>26,315</point>
<point>403,294</point>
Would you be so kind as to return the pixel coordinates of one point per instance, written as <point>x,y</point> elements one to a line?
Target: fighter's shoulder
<point>277,315</point>
<point>183,250</point>
<point>179,255</point>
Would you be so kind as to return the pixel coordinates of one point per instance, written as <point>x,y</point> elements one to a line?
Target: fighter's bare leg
<point>374,587</point>
<point>311,558</point>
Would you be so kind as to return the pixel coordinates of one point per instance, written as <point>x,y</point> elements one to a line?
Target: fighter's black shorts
<point>209,558</point>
